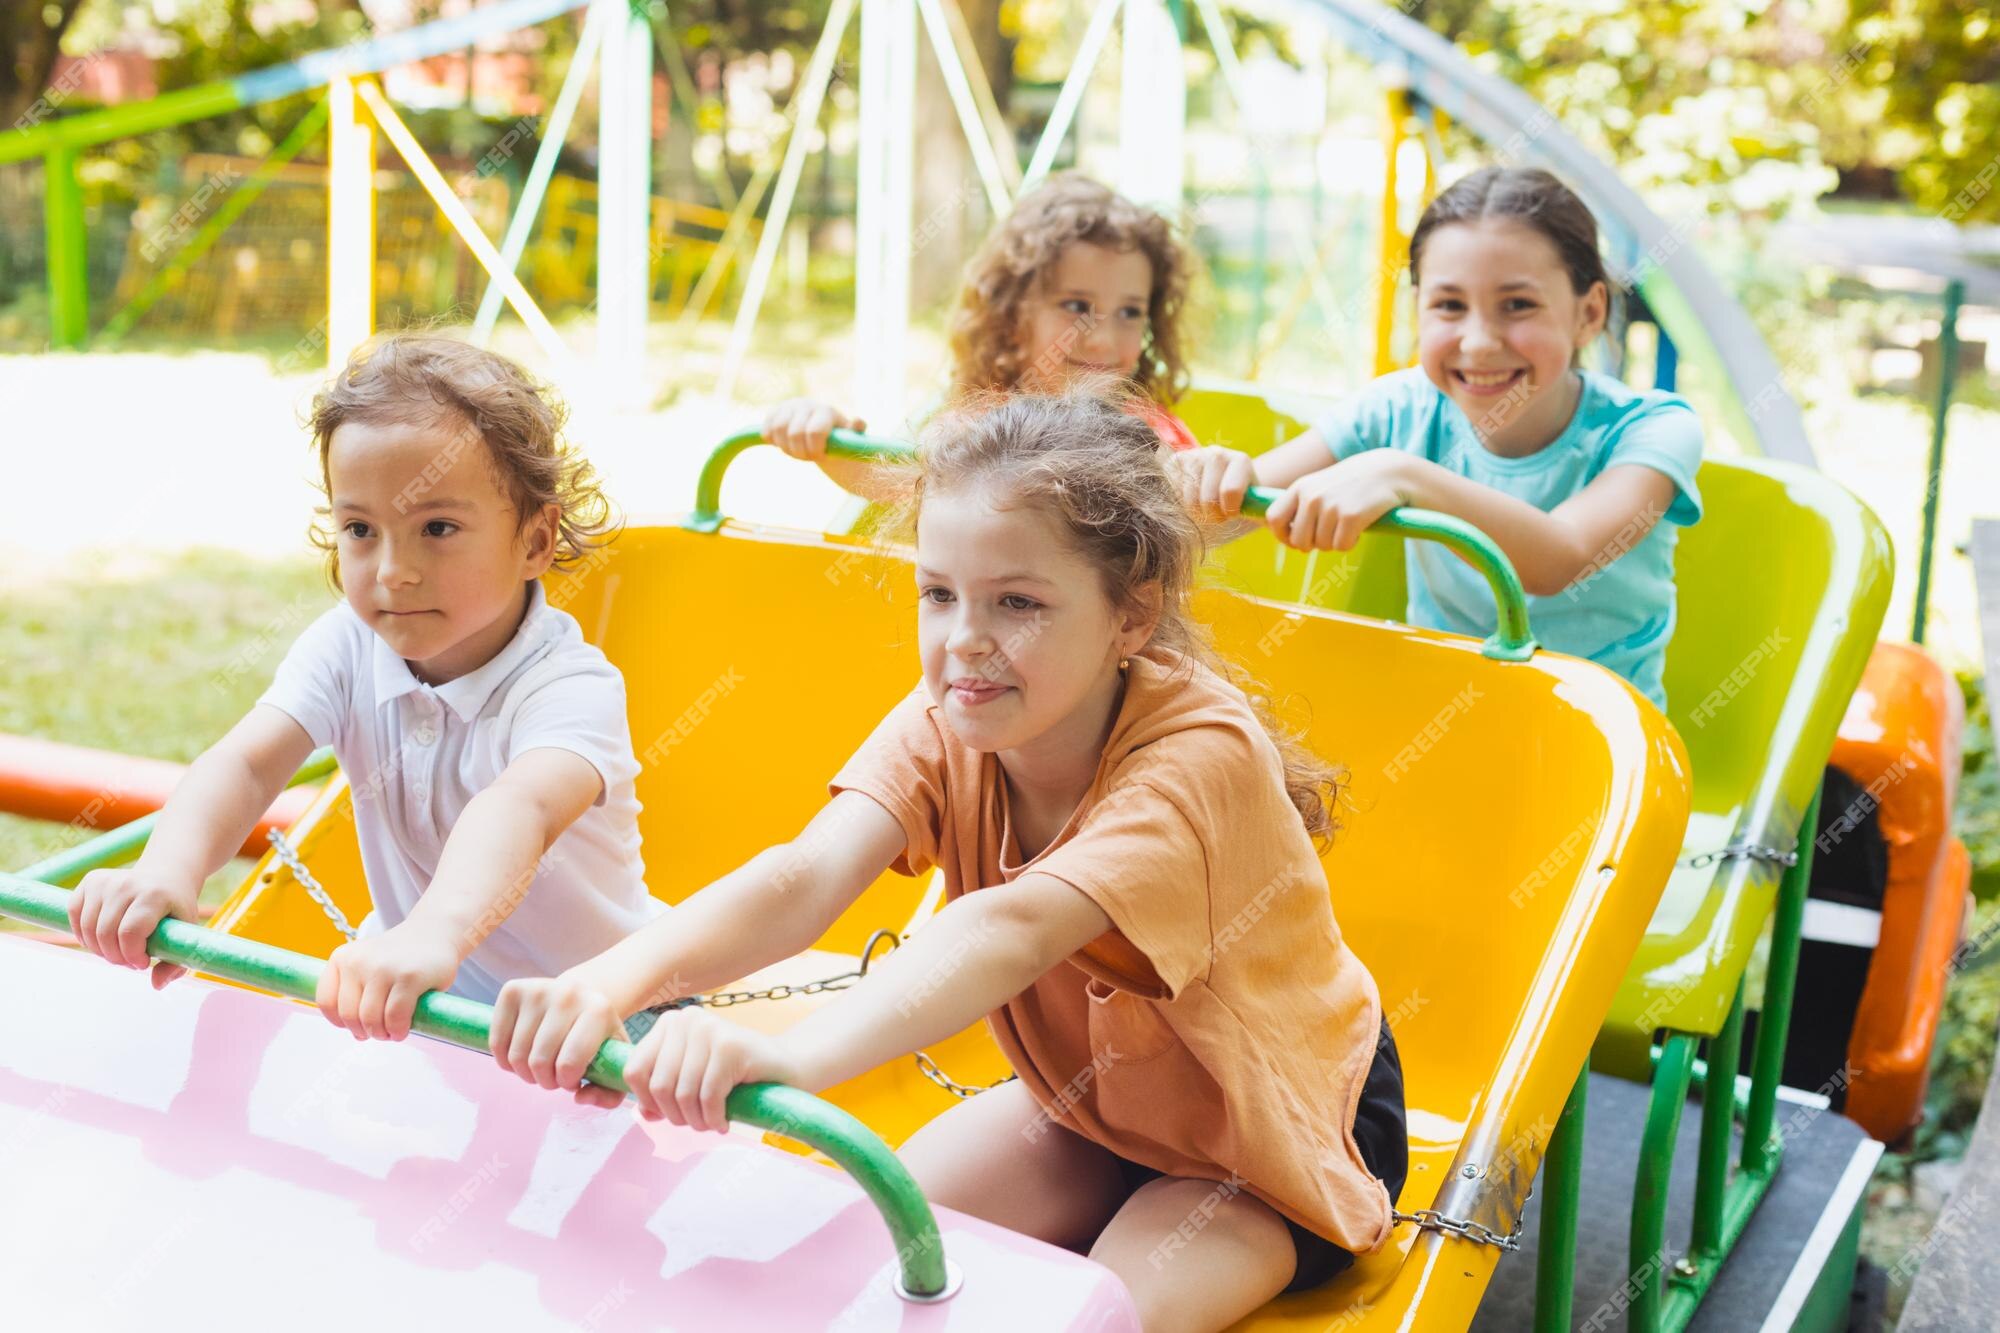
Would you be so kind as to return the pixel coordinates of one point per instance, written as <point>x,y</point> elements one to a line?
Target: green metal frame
<point>1954,296</point>
<point>1511,641</point>
<point>1663,1300</point>
<point>783,1110</point>
<point>1562,1191</point>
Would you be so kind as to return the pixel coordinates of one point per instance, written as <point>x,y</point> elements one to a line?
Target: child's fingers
<point>716,1084</point>
<point>1278,518</point>
<point>521,1045</point>
<point>813,431</point>
<point>83,898</point>
<point>1230,489</point>
<point>657,1101</point>
<point>639,1071</point>
<point>88,913</point>
<point>500,1028</point>
<point>542,1056</point>
<point>592,1095</point>
<point>574,1058</point>
<point>688,1108</point>
<point>133,929</point>
<point>164,973</point>
<point>401,1010</point>
<point>327,994</point>
<point>368,1013</point>
<point>347,1005</point>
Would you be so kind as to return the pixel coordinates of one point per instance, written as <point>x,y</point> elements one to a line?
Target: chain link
<point>1430,1219</point>
<point>929,1068</point>
<point>1744,851</point>
<point>312,886</point>
<point>782,991</point>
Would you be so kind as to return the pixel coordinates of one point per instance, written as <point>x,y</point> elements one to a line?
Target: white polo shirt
<point>416,754</point>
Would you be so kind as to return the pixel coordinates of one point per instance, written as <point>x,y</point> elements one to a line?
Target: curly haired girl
<point>1078,281</point>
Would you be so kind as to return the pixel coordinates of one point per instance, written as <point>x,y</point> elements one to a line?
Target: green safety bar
<point>1511,641</point>
<point>772,1106</point>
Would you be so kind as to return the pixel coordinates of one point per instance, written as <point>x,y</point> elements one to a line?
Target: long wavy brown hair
<point>1080,457</point>
<point>1016,259</point>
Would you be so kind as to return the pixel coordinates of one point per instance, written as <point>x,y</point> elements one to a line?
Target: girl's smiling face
<point>1087,314</point>
<point>433,555</point>
<point>1498,326</point>
<point>1020,644</point>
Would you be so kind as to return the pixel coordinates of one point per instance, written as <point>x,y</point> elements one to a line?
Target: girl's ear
<point>1141,617</point>
<point>1592,313</point>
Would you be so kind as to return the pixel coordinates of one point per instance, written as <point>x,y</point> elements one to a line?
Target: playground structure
<point>1674,848</point>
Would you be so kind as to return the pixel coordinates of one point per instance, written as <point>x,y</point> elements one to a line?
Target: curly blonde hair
<point>1080,457</point>
<point>1017,258</point>
<point>427,379</point>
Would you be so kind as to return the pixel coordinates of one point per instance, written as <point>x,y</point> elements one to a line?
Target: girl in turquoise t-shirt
<point>1570,471</point>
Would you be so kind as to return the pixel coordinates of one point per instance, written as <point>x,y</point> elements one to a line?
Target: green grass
<point>146,656</point>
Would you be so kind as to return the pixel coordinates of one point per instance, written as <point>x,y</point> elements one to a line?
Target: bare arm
<point>974,956</point>
<point>225,792</point>
<point>1552,549</point>
<point>1295,458</point>
<point>773,906</point>
<point>978,953</point>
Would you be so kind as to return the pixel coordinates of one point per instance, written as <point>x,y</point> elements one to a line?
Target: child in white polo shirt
<point>485,742</point>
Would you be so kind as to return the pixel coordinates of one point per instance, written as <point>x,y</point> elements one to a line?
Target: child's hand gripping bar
<point>797,1115</point>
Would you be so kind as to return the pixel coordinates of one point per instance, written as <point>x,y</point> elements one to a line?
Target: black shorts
<point>1382,1134</point>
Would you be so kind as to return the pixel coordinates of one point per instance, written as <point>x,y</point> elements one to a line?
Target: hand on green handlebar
<point>1328,510</point>
<point>801,427</point>
<point>1214,481</point>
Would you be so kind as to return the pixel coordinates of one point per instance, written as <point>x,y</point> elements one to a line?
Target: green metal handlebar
<point>797,1115</point>
<point>1511,641</point>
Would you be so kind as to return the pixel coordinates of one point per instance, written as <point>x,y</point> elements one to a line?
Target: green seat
<point>1783,585</point>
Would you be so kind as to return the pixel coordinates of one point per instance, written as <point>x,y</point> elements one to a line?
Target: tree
<point>32,34</point>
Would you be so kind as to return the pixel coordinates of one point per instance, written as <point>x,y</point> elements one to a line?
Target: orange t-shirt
<point>1221,1030</point>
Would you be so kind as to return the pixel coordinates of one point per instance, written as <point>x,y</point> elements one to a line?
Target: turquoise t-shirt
<point>1619,614</point>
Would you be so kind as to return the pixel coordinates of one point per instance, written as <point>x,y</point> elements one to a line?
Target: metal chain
<point>724,999</point>
<point>782,991</point>
<point>309,884</point>
<point>1744,851</point>
<point>1430,1219</point>
<point>929,1068</point>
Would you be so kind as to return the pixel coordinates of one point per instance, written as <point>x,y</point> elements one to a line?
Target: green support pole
<point>1954,295</point>
<point>1562,1185</point>
<point>1718,1115</point>
<point>1759,1153</point>
<point>68,249</point>
<point>1649,1195</point>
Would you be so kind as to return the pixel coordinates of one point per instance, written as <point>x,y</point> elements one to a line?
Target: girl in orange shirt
<point>1078,281</point>
<point>1208,1099</point>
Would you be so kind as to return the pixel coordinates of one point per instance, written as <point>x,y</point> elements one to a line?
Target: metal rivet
<point>1470,1173</point>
